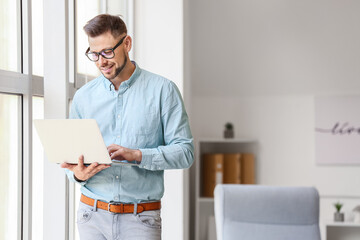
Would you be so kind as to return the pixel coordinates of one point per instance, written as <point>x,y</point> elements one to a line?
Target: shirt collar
<point>126,84</point>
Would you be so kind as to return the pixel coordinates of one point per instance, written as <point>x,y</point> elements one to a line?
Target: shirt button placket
<point>118,116</point>
<point>118,124</point>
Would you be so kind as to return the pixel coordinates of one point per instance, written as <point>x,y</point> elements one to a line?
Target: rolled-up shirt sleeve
<point>178,151</point>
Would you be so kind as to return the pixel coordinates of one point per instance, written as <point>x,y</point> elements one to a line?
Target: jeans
<point>98,224</point>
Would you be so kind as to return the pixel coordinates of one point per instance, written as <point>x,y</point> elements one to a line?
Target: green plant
<point>229,126</point>
<point>338,206</point>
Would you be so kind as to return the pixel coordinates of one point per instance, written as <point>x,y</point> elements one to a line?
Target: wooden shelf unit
<point>204,206</point>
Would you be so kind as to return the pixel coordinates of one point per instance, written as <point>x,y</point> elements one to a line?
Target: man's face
<point>110,68</point>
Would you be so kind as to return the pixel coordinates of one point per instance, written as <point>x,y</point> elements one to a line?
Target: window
<point>37,32</point>
<point>10,156</point>
<point>85,10</point>
<point>15,109</point>
<point>10,37</point>
<point>116,7</point>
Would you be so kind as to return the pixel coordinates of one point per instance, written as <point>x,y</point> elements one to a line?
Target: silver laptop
<point>65,140</point>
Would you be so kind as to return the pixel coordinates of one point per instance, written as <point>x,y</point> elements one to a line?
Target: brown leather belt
<point>121,207</point>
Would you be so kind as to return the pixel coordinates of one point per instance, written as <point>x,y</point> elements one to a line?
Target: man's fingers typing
<point>117,155</point>
<point>112,146</point>
<point>111,150</point>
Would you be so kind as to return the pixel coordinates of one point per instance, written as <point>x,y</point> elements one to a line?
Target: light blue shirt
<point>146,113</point>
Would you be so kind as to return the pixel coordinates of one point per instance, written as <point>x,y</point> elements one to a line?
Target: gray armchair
<point>254,212</point>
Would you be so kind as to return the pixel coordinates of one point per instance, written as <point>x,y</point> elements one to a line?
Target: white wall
<point>274,47</point>
<point>158,47</point>
<point>259,64</point>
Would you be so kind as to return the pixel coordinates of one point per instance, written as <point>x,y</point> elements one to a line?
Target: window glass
<point>38,173</point>
<point>120,8</point>
<point>37,37</point>
<point>9,32</point>
<point>10,167</point>
<point>116,7</point>
<point>85,10</point>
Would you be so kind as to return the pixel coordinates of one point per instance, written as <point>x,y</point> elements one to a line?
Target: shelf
<point>204,206</point>
<point>341,224</point>
<point>227,140</point>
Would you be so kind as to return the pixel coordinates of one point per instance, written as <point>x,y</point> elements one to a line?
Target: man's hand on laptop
<point>83,172</point>
<point>118,152</point>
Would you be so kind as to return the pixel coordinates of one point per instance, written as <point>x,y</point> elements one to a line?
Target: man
<point>143,121</point>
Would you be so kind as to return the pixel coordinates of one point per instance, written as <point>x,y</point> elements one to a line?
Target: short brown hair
<point>103,23</point>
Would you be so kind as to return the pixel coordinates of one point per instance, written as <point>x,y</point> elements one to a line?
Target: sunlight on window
<point>10,167</point>
<point>85,10</point>
<point>116,7</point>
<point>9,36</point>
<point>37,35</point>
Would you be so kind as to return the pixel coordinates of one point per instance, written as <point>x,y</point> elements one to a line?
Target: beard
<point>119,69</point>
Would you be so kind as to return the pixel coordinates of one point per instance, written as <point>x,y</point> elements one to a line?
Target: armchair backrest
<point>254,212</point>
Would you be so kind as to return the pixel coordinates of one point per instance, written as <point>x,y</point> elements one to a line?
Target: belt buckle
<point>115,204</point>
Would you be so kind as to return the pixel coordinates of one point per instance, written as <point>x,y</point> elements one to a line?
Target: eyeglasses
<point>106,53</point>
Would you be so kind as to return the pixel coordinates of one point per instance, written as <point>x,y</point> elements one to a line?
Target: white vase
<point>357,217</point>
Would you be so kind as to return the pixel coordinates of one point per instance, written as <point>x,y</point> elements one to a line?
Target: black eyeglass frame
<point>102,52</point>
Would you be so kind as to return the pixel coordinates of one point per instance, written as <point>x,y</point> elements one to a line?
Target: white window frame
<point>21,83</point>
<point>26,85</point>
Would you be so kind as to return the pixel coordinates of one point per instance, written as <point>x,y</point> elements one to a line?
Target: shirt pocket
<point>147,122</point>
